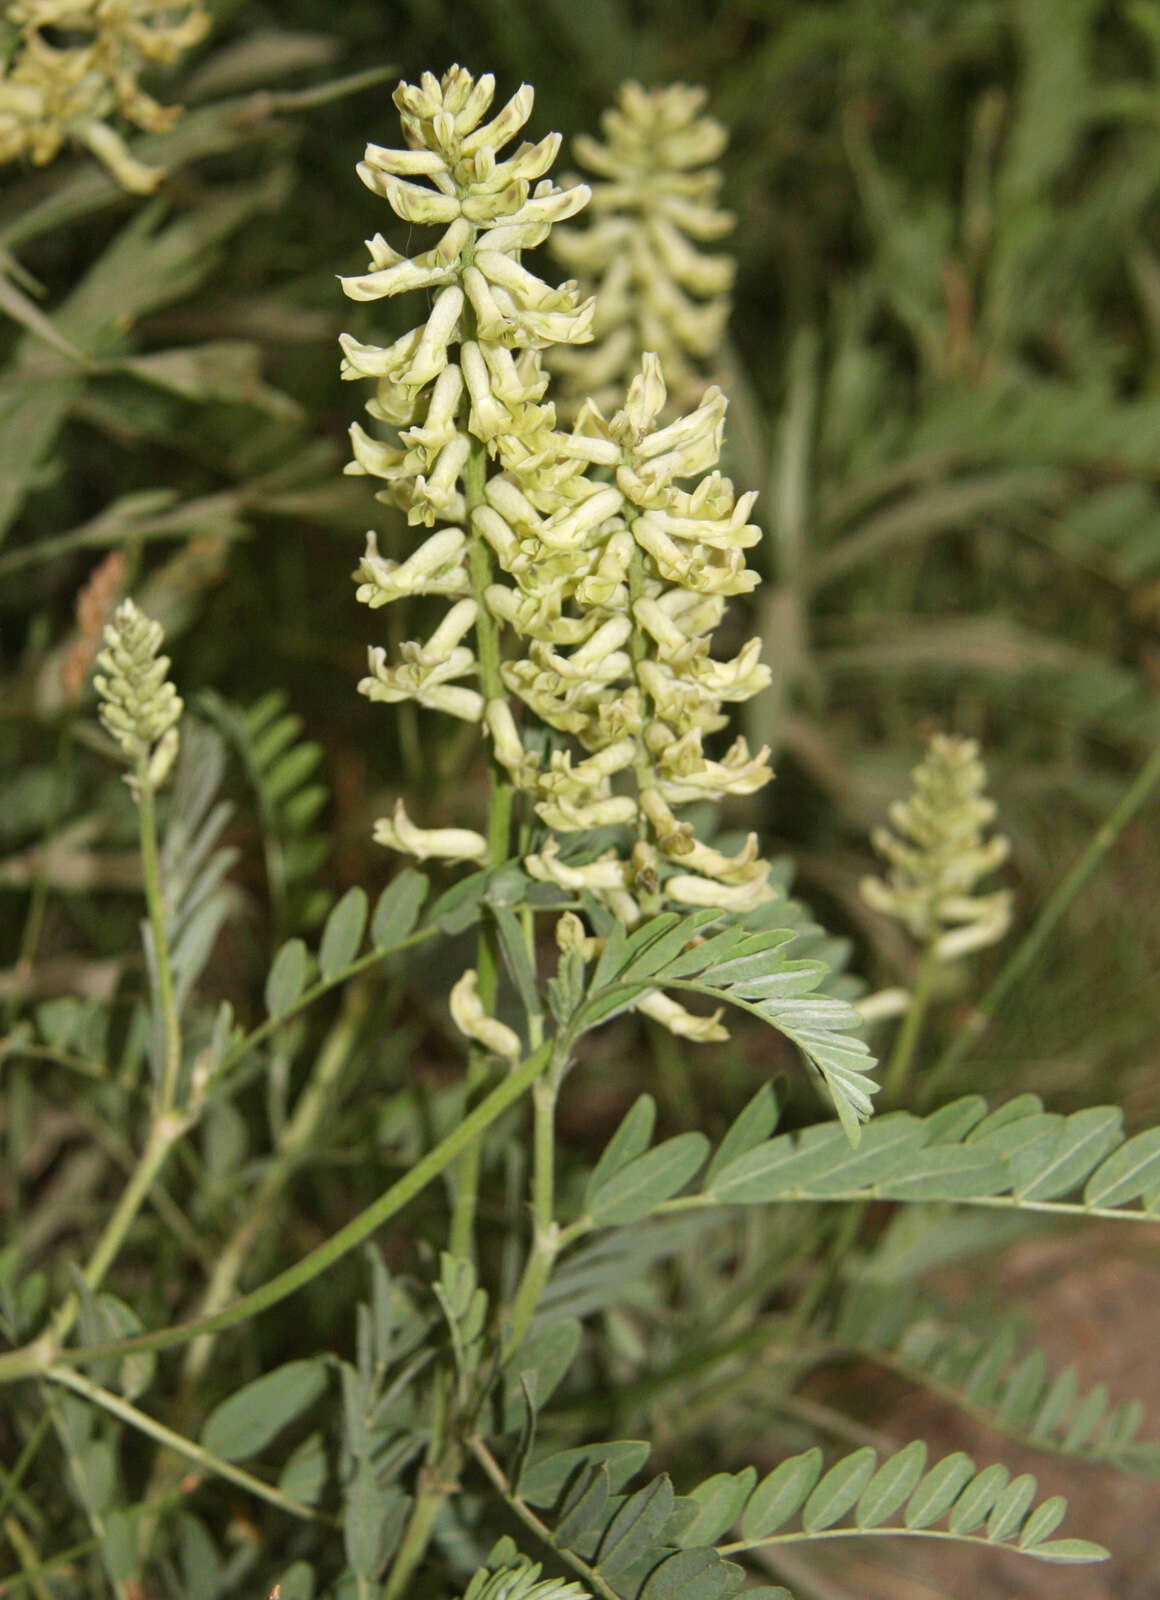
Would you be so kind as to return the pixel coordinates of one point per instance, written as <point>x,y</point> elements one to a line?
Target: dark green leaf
<point>693,1575</point>
<point>398,909</point>
<point>245,1423</point>
<point>343,933</point>
<point>649,1180</point>
<point>840,1489</point>
<point>635,1528</point>
<point>543,1481</point>
<point>287,977</point>
<point>779,1494</point>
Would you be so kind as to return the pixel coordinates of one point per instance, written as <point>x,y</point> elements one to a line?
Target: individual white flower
<point>398,832</point>
<point>472,1020</point>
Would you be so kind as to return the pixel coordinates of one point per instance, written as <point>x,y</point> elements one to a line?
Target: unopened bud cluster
<point>54,92</point>
<point>139,706</point>
<point>939,852</point>
<point>654,204</point>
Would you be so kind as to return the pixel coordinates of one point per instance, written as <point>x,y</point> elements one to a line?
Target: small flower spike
<point>138,705</point>
<point>939,852</point>
<point>654,204</point>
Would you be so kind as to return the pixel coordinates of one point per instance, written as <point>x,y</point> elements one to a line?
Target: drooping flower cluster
<point>656,203</point>
<point>939,853</point>
<point>54,92</point>
<point>139,707</point>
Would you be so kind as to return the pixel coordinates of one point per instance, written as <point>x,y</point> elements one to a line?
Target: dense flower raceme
<point>654,202</point>
<point>138,705</point>
<point>609,573</point>
<point>52,92</point>
<point>939,852</point>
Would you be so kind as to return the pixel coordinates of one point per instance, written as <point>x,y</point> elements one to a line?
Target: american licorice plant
<point>570,590</point>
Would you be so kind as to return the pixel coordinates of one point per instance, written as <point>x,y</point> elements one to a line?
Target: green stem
<point>1099,845</point>
<point>164,1134</point>
<point>500,801</point>
<point>546,1235</point>
<point>528,1517</point>
<point>151,868</point>
<point>112,1403</point>
<point>898,1069</point>
<point>435,1484</point>
<point>30,1360</point>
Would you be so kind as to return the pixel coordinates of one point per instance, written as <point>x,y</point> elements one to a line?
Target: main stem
<point>902,1056</point>
<point>155,904</point>
<point>500,797</point>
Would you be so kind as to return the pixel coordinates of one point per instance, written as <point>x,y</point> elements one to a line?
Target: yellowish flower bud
<point>471,1019</point>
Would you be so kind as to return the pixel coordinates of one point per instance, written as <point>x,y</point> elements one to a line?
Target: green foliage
<point>228,1054</point>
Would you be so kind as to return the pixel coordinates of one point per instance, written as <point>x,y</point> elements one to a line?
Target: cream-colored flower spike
<point>461,392</point>
<point>939,853</point>
<point>657,203</point>
<point>52,93</point>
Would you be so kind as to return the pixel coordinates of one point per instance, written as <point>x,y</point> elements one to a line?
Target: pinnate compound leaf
<point>986,1506</point>
<point>908,1330</point>
<point>287,977</point>
<point>648,1181</point>
<point>342,934</point>
<point>398,907</point>
<point>755,972</point>
<point>1016,1156</point>
<point>244,1424</point>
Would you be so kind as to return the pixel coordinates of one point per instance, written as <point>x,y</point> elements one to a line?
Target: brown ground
<point>1095,1296</point>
